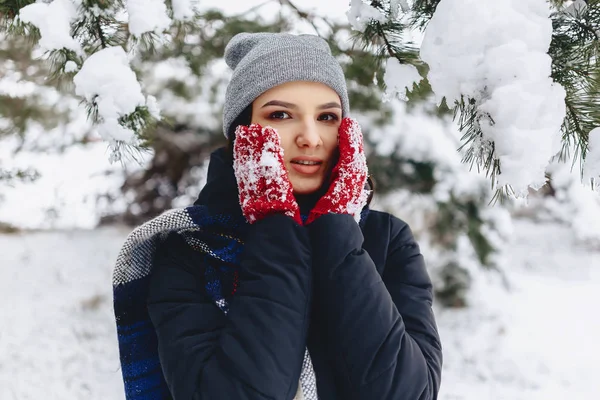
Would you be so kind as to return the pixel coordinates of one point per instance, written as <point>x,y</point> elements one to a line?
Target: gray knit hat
<point>261,61</point>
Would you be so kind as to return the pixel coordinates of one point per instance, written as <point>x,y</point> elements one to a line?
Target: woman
<point>279,283</point>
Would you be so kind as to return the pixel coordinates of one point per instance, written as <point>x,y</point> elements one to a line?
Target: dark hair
<point>245,118</point>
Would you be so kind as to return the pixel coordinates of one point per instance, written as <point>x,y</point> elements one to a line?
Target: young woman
<point>279,283</point>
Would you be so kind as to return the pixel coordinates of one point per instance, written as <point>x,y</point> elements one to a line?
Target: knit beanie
<point>261,61</point>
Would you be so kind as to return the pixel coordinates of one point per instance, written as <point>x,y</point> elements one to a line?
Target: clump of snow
<point>183,9</point>
<point>399,77</point>
<point>592,159</point>
<point>107,80</point>
<point>147,16</point>
<point>153,107</point>
<point>496,53</point>
<point>70,66</point>
<point>361,14</point>
<point>54,22</point>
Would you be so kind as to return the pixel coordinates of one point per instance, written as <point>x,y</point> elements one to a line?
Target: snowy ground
<point>57,335</point>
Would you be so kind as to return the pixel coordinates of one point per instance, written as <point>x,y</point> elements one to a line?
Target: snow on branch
<point>496,55</point>
<point>94,42</point>
<point>523,78</point>
<point>361,14</point>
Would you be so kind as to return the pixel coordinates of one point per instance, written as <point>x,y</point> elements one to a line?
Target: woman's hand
<point>347,193</point>
<point>263,183</point>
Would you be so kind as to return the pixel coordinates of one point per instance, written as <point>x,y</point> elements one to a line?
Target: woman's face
<point>307,116</point>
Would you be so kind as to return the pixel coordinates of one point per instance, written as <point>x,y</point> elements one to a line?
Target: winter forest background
<point>492,159</point>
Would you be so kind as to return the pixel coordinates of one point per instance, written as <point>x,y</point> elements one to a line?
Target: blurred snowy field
<point>536,340</point>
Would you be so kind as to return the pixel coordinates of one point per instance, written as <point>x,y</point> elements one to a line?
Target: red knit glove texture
<point>263,183</point>
<point>346,193</point>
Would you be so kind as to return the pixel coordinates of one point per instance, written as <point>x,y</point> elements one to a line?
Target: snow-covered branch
<point>523,79</point>
<point>92,39</point>
<point>499,59</point>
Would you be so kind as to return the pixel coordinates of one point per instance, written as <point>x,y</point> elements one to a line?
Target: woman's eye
<point>279,115</point>
<point>328,117</point>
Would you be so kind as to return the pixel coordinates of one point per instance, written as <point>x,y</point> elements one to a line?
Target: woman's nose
<point>308,135</point>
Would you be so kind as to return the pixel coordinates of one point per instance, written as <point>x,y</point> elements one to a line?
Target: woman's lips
<point>306,169</point>
<point>306,165</point>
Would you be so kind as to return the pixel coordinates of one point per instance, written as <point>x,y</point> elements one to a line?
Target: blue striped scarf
<point>219,237</point>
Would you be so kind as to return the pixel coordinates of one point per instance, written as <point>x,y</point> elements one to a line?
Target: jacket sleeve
<point>380,333</point>
<point>256,350</point>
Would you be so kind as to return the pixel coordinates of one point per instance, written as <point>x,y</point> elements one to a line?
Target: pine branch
<point>10,8</point>
<point>421,13</point>
<point>98,26</point>
<point>386,40</point>
<point>575,51</point>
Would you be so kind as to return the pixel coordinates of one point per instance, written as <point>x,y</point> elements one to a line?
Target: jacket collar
<point>220,193</point>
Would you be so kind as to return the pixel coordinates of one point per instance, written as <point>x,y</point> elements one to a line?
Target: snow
<point>70,66</point>
<point>360,14</point>
<point>404,6</point>
<point>258,154</point>
<point>399,77</point>
<point>576,8</point>
<point>54,22</point>
<point>70,191</point>
<point>147,16</point>
<point>107,79</point>
<point>538,340</point>
<point>592,159</point>
<point>58,339</point>
<point>184,9</point>
<point>153,108</point>
<point>574,204</point>
<point>496,52</point>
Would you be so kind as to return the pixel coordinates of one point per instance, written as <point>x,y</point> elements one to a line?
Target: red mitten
<point>264,187</point>
<point>347,193</point>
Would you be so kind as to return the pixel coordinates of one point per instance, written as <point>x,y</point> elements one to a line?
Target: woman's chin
<point>306,186</point>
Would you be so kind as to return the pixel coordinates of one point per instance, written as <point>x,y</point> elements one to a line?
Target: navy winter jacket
<point>359,299</point>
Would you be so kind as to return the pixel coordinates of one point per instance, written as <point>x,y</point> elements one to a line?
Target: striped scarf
<point>219,237</point>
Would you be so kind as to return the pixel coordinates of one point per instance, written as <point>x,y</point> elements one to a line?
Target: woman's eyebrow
<point>280,104</point>
<point>333,104</point>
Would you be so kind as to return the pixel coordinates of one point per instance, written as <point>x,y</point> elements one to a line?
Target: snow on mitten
<point>263,183</point>
<point>347,193</point>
